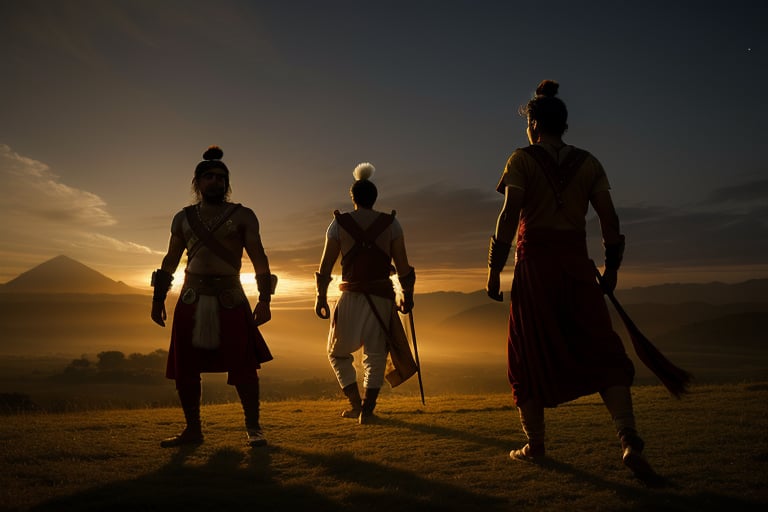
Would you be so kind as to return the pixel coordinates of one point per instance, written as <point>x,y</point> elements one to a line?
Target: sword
<point>675,379</point>
<point>416,355</point>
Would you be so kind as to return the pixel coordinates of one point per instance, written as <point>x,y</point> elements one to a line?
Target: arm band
<point>614,253</point>
<point>161,282</point>
<point>498,252</point>
<point>408,281</point>
<point>322,282</point>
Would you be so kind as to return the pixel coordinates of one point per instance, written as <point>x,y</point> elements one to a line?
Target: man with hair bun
<point>213,328</point>
<point>561,344</point>
<point>365,315</point>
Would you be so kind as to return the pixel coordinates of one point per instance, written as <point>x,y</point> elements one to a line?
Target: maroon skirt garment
<point>561,344</point>
<point>240,353</point>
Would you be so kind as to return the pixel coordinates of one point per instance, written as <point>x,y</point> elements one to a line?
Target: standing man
<point>365,315</point>
<point>213,328</point>
<point>561,344</point>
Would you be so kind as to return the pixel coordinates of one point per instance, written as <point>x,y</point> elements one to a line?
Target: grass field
<point>448,455</point>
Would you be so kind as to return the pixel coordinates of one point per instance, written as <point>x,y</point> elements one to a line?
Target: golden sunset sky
<point>107,106</point>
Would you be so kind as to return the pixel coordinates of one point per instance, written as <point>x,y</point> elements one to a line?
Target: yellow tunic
<point>540,209</point>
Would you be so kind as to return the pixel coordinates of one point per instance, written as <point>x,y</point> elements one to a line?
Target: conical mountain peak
<point>63,274</point>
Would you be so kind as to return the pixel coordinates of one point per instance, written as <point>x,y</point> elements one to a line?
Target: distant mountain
<point>489,314</point>
<point>656,319</point>
<point>736,331</point>
<point>438,306</point>
<point>65,275</point>
<point>753,290</point>
<point>746,295</point>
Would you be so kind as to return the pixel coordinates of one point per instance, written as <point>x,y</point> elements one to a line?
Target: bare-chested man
<point>213,327</point>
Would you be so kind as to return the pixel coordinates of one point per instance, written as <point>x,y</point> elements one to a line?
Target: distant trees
<point>14,403</point>
<point>78,366</point>
<point>153,361</point>
<point>113,365</point>
<point>111,361</point>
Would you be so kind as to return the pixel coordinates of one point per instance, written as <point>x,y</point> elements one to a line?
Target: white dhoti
<point>354,325</point>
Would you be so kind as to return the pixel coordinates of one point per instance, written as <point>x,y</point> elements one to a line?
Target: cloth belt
<point>380,288</point>
<point>211,285</point>
<point>228,289</point>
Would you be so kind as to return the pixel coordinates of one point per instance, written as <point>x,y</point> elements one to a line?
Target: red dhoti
<point>241,346</point>
<point>561,343</point>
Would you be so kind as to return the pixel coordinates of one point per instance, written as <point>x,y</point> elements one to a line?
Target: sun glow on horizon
<point>294,287</point>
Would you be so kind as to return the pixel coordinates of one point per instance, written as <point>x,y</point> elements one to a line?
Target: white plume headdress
<point>363,171</point>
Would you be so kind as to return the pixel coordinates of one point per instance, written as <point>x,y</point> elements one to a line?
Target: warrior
<point>213,327</point>
<point>365,315</point>
<point>561,344</point>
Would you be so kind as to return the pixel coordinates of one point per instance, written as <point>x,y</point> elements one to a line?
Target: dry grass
<point>449,455</point>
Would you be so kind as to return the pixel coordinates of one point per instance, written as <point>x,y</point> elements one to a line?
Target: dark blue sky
<point>107,107</point>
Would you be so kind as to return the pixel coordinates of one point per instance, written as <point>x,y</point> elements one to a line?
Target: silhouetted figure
<point>365,315</point>
<point>213,327</point>
<point>561,344</point>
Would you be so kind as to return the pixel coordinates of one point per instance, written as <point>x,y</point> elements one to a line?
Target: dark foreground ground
<point>711,449</point>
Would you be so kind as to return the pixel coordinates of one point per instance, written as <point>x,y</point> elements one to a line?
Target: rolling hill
<point>63,307</point>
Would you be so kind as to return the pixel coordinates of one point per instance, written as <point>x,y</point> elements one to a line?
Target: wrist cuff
<point>408,281</point>
<point>498,252</point>
<point>266,284</point>
<point>322,281</point>
<point>614,254</point>
<point>161,282</point>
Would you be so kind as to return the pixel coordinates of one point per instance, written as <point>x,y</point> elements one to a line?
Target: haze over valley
<point>63,309</point>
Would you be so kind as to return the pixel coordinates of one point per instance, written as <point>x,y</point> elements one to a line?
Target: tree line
<point>115,365</point>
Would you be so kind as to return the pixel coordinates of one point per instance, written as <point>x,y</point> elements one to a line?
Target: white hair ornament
<point>363,171</point>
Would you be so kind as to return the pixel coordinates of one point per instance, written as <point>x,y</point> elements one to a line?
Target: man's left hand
<point>406,305</point>
<point>159,316</point>
<point>262,313</point>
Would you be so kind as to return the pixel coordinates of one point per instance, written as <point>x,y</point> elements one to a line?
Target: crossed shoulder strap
<point>205,236</point>
<point>363,238</point>
<point>558,175</point>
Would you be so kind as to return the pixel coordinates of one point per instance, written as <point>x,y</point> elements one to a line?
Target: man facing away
<point>365,315</point>
<point>213,328</point>
<point>561,344</point>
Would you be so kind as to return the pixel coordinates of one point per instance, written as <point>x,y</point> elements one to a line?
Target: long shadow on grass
<point>261,479</point>
<point>434,430</point>
<point>374,487</point>
<point>229,480</point>
<point>657,495</point>
<point>653,495</point>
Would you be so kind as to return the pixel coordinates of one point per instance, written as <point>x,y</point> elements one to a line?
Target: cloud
<point>45,217</point>
<point>102,242</point>
<point>36,192</point>
<point>696,237</point>
<point>444,227</point>
<point>87,33</point>
<point>744,194</point>
<point>448,227</point>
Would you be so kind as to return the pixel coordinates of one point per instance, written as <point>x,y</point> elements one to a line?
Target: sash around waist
<point>562,241</point>
<point>380,287</point>
<point>211,284</point>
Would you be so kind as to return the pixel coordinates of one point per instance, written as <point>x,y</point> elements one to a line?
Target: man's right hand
<point>321,307</point>
<point>261,313</point>
<point>608,280</point>
<point>493,286</point>
<point>159,316</point>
